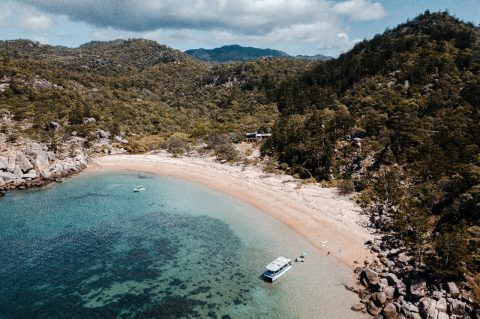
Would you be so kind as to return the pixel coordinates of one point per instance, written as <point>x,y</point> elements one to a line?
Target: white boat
<point>277,268</point>
<point>139,189</point>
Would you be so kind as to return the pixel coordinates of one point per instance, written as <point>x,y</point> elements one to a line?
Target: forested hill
<point>397,119</point>
<point>136,87</point>
<point>235,52</point>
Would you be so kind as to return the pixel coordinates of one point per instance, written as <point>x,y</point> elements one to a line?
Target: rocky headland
<point>394,285</point>
<point>27,163</point>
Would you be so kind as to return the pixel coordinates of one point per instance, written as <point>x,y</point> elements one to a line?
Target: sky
<point>308,27</point>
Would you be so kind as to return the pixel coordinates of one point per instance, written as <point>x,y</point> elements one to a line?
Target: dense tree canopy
<point>399,116</point>
<point>138,87</point>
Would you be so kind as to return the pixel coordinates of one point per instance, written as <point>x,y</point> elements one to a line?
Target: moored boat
<point>277,268</point>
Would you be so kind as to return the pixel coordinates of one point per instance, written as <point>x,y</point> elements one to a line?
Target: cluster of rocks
<point>386,296</point>
<point>26,163</point>
<point>33,164</point>
<point>392,287</point>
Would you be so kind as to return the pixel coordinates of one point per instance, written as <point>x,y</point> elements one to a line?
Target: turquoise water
<point>91,248</point>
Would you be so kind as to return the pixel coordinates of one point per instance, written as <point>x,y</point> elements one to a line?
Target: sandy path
<point>330,222</point>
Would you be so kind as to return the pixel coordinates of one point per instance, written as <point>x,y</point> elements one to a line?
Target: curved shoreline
<point>332,223</point>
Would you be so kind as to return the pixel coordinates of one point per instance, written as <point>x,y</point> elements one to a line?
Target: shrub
<point>222,147</point>
<point>176,144</point>
<point>345,187</point>
<point>151,142</point>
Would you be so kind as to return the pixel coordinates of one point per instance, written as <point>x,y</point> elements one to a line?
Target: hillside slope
<point>398,120</point>
<point>236,53</point>
<point>135,87</point>
<point>229,53</point>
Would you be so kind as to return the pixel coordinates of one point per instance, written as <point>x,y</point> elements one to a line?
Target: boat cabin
<point>277,268</point>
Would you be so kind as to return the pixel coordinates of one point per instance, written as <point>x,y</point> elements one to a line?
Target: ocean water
<point>91,248</point>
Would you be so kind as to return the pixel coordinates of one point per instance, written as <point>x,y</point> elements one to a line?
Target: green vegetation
<point>396,119</point>
<point>235,52</point>
<point>137,87</point>
<point>398,116</point>
<point>229,53</point>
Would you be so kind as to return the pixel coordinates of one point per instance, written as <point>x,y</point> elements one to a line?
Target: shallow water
<point>91,248</point>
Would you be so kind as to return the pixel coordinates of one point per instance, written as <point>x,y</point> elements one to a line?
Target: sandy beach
<point>332,223</point>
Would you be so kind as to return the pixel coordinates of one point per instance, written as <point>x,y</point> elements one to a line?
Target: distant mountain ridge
<point>235,52</point>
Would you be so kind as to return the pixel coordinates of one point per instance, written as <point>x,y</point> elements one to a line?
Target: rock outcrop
<point>396,285</point>
<point>28,163</point>
<point>384,296</point>
<point>393,286</point>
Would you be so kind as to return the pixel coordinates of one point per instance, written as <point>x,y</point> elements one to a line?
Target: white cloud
<point>360,10</point>
<point>212,22</point>
<point>34,22</point>
<point>240,16</point>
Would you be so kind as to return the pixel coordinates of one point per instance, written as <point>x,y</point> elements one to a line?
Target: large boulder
<point>409,307</point>
<point>359,307</point>
<point>424,306</point>
<point>371,276</point>
<point>2,182</point>
<point>453,290</point>
<point>11,163</point>
<point>390,311</point>
<point>46,174</point>
<point>437,295</point>
<point>389,292</point>
<point>31,174</point>
<point>427,307</point>
<point>442,315</point>
<point>457,307</point>
<point>40,160</point>
<point>3,163</point>
<point>401,288</point>
<point>51,156</point>
<point>383,283</point>
<point>432,314</point>
<point>418,288</point>
<point>24,163</point>
<point>381,298</point>
<point>7,177</point>
<point>103,134</point>
<point>17,172</point>
<point>413,315</point>
<point>373,309</point>
<point>392,279</point>
<point>442,305</point>
<point>394,252</point>
<point>120,139</point>
<point>80,158</point>
<point>404,259</point>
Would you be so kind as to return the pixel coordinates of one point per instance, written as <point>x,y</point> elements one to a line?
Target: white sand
<point>330,222</point>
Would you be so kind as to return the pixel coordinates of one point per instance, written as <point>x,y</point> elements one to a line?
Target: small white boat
<point>277,268</point>
<point>139,189</point>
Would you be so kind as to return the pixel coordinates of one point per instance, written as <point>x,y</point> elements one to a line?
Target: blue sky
<point>295,26</point>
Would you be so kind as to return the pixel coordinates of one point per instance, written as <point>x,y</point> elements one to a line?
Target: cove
<point>91,248</point>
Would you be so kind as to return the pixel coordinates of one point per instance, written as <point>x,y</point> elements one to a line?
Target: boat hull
<point>280,274</point>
